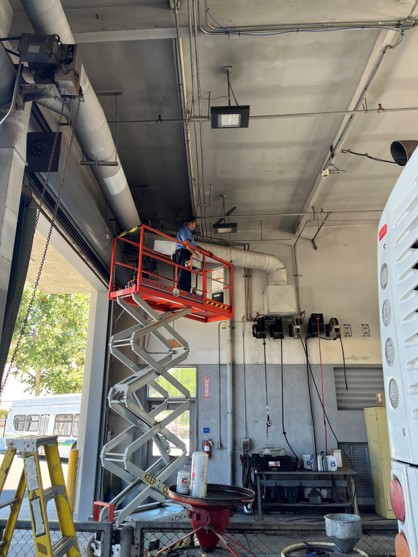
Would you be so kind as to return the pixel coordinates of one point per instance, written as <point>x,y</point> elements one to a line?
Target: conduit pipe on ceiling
<point>394,24</point>
<point>92,130</point>
<point>275,269</point>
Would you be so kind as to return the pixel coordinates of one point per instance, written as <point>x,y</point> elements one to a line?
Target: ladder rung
<point>8,503</point>
<point>63,545</point>
<point>53,491</point>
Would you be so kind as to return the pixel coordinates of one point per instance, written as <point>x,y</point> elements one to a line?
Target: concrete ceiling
<point>59,276</point>
<point>152,67</point>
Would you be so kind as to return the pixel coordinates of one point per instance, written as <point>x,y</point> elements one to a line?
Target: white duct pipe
<point>7,72</point>
<point>274,268</point>
<point>93,132</point>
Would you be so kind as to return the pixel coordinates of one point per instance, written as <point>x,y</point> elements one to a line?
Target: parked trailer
<point>46,415</point>
<point>398,305</point>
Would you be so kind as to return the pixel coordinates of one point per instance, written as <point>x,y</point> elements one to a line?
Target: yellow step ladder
<point>31,479</point>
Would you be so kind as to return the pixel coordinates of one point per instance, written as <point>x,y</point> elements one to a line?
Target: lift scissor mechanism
<point>32,482</point>
<point>144,285</point>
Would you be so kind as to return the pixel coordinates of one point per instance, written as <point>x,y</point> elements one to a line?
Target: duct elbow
<point>278,277</point>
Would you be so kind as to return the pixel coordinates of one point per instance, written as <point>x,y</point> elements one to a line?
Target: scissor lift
<point>143,282</point>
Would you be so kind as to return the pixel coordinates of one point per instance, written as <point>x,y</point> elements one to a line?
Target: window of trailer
<point>63,424</point>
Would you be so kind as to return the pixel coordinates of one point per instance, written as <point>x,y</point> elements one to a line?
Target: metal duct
<point>276,271</point>
<point>85,206</point>
<point>7,72</point>
<point>93,132</point>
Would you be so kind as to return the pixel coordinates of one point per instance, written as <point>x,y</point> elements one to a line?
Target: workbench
<point>343,478</point>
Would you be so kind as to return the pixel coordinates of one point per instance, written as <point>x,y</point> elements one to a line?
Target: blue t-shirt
<point>183,235</point>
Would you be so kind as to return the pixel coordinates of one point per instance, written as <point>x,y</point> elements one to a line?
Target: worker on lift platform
<point>183,252</point>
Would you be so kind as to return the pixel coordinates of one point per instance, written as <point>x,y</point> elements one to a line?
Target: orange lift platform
<point>145,266</point>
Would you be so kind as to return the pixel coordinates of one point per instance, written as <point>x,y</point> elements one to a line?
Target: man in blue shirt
<point>183,252</point>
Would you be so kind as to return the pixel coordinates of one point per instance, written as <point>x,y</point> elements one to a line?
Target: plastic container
<point>183,482</point>
<point>320,462</point>
<point>307,461</point>
<point>199,476</point>
<point>331,463</point>
<point>338,457</point>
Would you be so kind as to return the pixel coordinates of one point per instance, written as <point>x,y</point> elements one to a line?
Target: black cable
<point>343,354</point>
<point>345,151</point>
<point>233,94</point>
<point>282,383</point>
<point>268,421</point>
<point>345,369</point>
<point>305,347</point>
<point>246,478</point>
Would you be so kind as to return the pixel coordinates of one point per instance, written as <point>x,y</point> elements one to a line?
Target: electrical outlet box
<point>365,329</point>
<point>245,444</point>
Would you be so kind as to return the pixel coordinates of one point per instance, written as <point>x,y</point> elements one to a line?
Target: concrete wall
<point>339,280</point>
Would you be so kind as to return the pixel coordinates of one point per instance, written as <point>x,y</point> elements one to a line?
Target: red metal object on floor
<point>210,515</point>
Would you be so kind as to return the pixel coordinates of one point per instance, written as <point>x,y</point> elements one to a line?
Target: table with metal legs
<point>304,479</point>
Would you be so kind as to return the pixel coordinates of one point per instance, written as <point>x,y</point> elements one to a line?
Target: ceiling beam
<point>385,39</point>
<point>119,23</point>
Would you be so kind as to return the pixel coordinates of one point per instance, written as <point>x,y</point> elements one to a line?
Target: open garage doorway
<point>67,277</point>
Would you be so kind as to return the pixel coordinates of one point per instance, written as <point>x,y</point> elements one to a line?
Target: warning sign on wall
<point>207,388</point>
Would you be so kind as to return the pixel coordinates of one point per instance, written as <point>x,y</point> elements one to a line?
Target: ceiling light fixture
<point>221,226</point>
<point>225,227</point>
<point>230,116</point>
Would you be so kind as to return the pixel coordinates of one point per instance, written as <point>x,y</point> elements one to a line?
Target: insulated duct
<point>92,130</point>
<point>274,268</point>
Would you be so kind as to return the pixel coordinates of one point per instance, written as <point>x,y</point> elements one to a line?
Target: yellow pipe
<point>72,476</point>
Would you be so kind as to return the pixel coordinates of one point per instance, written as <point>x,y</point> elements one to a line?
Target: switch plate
<point>245,444</point>
<point>347,330</point>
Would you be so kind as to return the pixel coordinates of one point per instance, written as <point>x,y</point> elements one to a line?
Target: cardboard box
<point>380,398</point>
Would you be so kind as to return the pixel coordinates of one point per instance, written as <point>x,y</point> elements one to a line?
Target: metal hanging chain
<point>38,212</point>
<point>51,227</point>
<point>268,421</point>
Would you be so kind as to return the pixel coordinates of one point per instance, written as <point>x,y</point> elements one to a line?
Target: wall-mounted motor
<point>259,327</point>
<point>333,329</point>
<point>56,67</point>
<point>276,329</point>
<point>316,324</point>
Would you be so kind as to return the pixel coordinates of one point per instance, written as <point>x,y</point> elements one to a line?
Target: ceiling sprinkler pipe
<point>92,129</point>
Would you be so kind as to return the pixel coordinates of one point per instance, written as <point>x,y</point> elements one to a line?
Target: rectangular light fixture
<point>225,227</point>
<point>230,116</point>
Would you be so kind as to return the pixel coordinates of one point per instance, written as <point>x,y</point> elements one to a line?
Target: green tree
<point>50,357</point>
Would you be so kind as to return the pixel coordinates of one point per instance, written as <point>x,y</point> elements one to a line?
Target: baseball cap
<point>190,218</point>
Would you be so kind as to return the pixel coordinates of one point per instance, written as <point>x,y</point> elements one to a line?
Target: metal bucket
<point>344,530</point>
